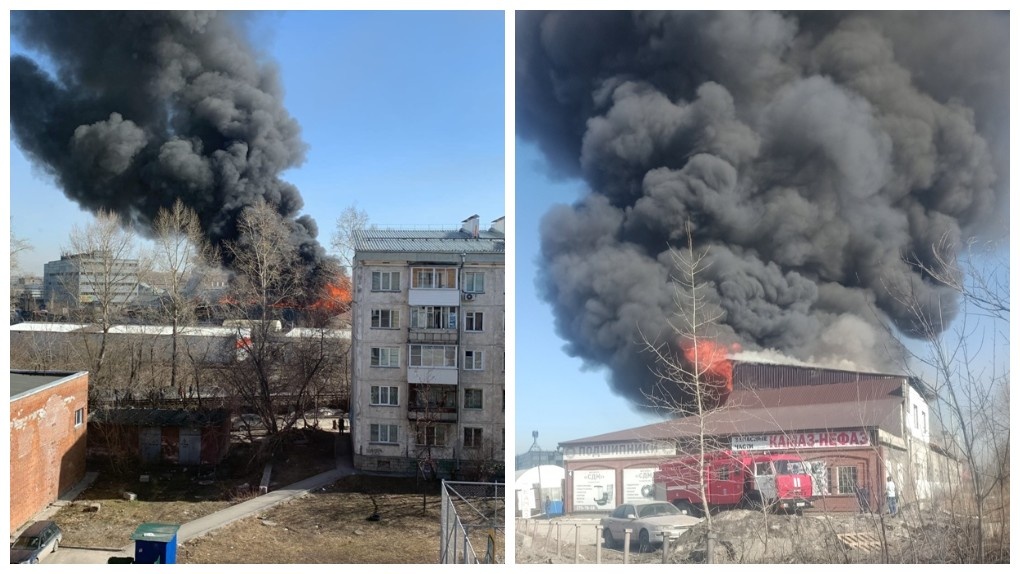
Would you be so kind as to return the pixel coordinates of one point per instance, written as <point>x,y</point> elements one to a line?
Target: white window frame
<point>423,317</point>
<point>474,360</point>
<point>384,357</point>
<point>433,277</point>
<point>79,417</point>
<point>481,399</point>
<point>385,396</point>
<point>474,282</point>
<point>376,432</point>
<point>430,356</point>
<point>477,436</point>
<point>474,321</point>
<point>437,431</point>
<point>391,282</point>
<point>391,316</point>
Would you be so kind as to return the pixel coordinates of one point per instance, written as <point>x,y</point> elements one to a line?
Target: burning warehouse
<point>803,184</point>
<point>850,428</point>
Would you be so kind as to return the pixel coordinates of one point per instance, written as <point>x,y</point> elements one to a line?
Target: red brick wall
<point>47,450</point>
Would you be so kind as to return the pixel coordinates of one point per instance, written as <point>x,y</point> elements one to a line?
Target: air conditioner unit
<point>469,296</point>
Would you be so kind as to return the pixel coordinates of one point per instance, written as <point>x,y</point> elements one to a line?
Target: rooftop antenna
<point>534,446</point>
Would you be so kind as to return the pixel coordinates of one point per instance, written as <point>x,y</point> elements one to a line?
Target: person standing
<point>863,505</point>
<point>890,495</point>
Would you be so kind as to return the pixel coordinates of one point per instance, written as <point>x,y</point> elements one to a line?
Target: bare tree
<point>18,246</point>
<point>107,264</point>
<point>686,384</point>
<point>180,248</point>
<point>967,363</point>
<point>268,279</point>
<point>351,220</point>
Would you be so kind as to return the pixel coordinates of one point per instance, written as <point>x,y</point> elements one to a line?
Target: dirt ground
<point>333,526</point>
<point>330,525</point>
<point>750,537</point>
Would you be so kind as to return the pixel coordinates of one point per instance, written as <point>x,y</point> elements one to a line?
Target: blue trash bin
<point>156,543</point>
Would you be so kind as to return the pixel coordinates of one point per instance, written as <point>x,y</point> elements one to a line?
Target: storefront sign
<point>799,440</point>
<point>638,485</point>
<point>594,490</point>
<point>617,450</point>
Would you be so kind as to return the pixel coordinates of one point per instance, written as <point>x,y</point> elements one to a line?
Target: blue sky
<point>555,395</point>
<point>403,114</point>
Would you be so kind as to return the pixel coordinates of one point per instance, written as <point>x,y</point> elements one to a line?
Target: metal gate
<point>150,444</point>
<point>472,523</point>
<point>190,446</point>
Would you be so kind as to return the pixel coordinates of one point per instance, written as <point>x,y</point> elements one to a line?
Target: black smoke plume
<point>817,157</point>
<point>144,108</point>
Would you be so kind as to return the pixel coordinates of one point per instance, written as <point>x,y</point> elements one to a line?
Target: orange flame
<point>336,299</point>
<point>711,361</point>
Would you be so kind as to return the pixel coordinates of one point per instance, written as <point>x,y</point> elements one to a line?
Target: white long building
<point>428,344</point>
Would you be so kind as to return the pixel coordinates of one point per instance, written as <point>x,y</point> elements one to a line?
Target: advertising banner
<point>594,490</point>
<point>617,450</point>
<point>802,440</point>
<point>638,485</point>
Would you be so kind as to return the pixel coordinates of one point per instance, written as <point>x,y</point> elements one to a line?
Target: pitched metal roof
<point>427,241</point>
<point>161,417</point>
<point>860,404</point>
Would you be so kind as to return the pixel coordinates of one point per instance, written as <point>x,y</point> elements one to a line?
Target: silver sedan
<point>647,521</point>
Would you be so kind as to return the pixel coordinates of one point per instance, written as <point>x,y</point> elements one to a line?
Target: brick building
<point>158,436</point>
<point>48,415</point>
<point>850,427</point>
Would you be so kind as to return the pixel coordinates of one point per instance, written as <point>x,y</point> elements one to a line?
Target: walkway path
<point>206,524</point>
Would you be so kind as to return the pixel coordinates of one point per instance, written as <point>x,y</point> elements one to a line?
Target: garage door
<point>191,446</point>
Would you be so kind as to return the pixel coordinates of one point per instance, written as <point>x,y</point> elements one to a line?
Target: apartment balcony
<point>432,414</point>
<point>432,336</point>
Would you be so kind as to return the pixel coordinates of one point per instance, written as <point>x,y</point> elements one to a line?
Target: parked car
<point>39,539</point>
<point>647,522</point>
<point>247,421</point>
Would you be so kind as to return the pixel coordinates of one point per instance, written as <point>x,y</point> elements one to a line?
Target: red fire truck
<point>736,480</point>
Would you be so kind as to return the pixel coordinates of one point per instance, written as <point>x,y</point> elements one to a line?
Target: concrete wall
<point>47,448</point>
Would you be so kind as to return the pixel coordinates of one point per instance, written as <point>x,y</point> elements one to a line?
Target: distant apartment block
<point>82,279</point>
<point>428,344</point>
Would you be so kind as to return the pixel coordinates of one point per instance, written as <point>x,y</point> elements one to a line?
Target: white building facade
<point>88,278</point>
<point>428,360</point>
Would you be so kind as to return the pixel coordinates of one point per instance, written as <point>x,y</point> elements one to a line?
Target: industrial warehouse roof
<point>427,241</point>
<point>862,404</point>
<point>161,417</point>
<point>24,383</point>
<point>166,330</point>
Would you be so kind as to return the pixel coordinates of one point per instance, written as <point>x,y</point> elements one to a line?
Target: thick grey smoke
<point>149,107</point>
<point>815,156</point>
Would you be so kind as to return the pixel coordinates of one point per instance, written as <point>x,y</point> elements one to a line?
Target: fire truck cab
<point>736,480</point>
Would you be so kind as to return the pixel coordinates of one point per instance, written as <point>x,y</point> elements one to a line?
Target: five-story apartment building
<point>428,345</point>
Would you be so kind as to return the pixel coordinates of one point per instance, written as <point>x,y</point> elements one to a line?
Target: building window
<point>724,473</point>
<point>441,356</point>
<point>431,435</point>
<point>385,396</point>
<point>79,417</point>
<point>473,321</point>
<point>846,479</point>
<point>472,398</point>
<point>386,281</point>
<point>433,277</point>
<point>383,433</point>
<point>473,361</point>
<point>385,357</point>
<point>472,437</point>
<point>916,422</point>
<point>429,317</point>
<point>436,399</point>
<point>385,319</point>
<point>474,282</point>
<point>924,420</point>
